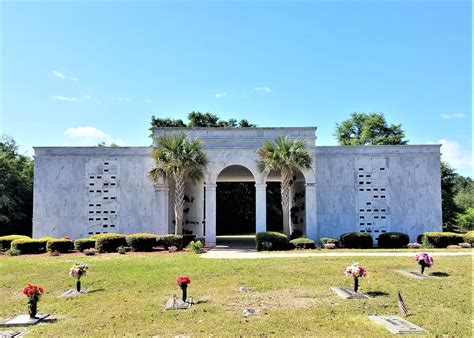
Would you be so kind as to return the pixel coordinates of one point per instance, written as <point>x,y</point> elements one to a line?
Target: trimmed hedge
<point>108,233</point>
<point>393,240</point>
<point>84,243</point>
<point>329,240</point>
<point>441,239</point>
<point>469,237</point>
<point>5,241</point>
<point>170,240</point>
<point>59,245</point>
<point>272,240</point>
<point>303,243</point>
<point>357,240</point>
<point>29,246</point>
<point>142,241</point>
<point>109,242</point>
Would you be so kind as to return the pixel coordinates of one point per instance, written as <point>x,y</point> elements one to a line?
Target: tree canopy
<point>369,129</point>
<point>199,120</point>
<point>16,189</point>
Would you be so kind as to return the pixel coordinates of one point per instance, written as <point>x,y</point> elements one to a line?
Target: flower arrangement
<point>356,270</point>
<point>33,292</point>
<point>183,282</point>
<point>425,260</point>
<point>77,271</point>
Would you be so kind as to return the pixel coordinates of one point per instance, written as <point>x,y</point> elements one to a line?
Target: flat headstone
<point>11,334</point>
<point>71,293</point>
<point>414,274</point>
<point>397,324</point>
<point>348,293</point>
<point>245,289</point>
<point>177,304</point>
<point>25,320</point>
<point>250,312</point>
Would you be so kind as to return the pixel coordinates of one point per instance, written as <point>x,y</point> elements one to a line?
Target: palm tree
<point>178,158</point>
<point>287,157</point>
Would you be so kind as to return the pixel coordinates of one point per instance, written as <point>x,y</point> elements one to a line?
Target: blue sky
<point>76,73</point>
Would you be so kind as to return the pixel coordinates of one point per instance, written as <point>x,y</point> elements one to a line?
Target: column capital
<point>310,185</point>
<point>260,185</point>
<point>210,186</point>
<point>161,187</point>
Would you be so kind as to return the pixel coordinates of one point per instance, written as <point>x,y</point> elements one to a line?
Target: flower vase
<point>356,284</point>
<point>32,308</point>
<point>423,265</point>
<point>78,285</point>
<point>184,288</point>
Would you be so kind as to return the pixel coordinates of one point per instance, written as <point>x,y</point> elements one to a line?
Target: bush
<point>84,243</point>
<point>278,240</point>
<point>5,241</point>
<point>142,241</point>
<point>14,252</point>
<point>29,246</point>
<point>303,243</point>
<point>201,239</point>
<point>59,245</point>
<point>196,246</point>
<point>297,233</point>
<point>393,240</point>
<point>329,240</point>
<point>441,239</point>
<point>266,246</point>
<point>469,237</point>
<point>188,238</point>
<point>357,240</point>
<point>109,242</point>
<point>170,240</point>
<point>100,235</point>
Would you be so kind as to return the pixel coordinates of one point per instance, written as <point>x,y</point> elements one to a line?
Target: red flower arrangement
<point>183,279</point>
<point>33,291</point>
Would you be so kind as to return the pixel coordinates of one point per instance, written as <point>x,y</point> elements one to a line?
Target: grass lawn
<point>292,295</point>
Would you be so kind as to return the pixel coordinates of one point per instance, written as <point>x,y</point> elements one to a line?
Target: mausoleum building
<point>81,191</point>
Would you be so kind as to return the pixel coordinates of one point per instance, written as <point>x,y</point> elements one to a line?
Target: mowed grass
<point>292,295</point>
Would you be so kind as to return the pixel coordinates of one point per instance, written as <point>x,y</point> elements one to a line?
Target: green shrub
<point>469,237</point>
<point>329,240</point>
<point>357,240</point>
<point>99,235</point>
<point>201,239</point>
<point>59,245</point>
<point>170,240</point>
<point>5,241</point>
<point>188,238</point>
<point>29,246</point>
<point>266,246</point>
<point>109,242</point>
<point>196,246</point>
<point>12,252</point>
<point>393,240</point>
<point>303,243</point>
<point>84,243</point>
<point>142,241</point>
<point>278,240</point>
<point>441,239</point>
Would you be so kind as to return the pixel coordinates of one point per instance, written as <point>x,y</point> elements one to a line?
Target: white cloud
<point>263,89</point>
<point>453,116</point>
<point>220,95</point>
<point>65,98</point>
<point>88,135</point>
<point>63,76</point>
<point>452,153</point>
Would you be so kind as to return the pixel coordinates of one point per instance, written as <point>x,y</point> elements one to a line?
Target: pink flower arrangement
<point>78,270</point>
<point>356,270</point>
<point>424,258</point>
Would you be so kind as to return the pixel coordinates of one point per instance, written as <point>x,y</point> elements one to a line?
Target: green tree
<point>465,220</point>
<point>285,156</point>
<point>178,158</point>
<point>368,129</point>
<point>16,189</point>
<point>448,191</point>
<point>464,197</point>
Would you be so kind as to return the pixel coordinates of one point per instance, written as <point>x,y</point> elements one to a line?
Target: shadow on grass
<point>95,290</point>
<point>439,274</point>
<point>376,293</point>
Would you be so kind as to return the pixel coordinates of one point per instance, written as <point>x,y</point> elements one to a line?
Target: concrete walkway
<point>247,253</point>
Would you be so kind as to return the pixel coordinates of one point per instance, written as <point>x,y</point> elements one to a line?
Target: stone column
<point>161,209</point>
<point>312,231</point>
<point>260,207</point>
<point>210,195</point>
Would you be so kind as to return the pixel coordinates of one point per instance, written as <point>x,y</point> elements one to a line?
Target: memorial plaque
<point>397,324</point>
<point>250,312</point>
<point>25,320</point>
<point>10,334</point>
<point>348,293</point>
<point>177,304</point>
<point>71,293</point>
<point>245,289</point>
<point>414,274</point>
